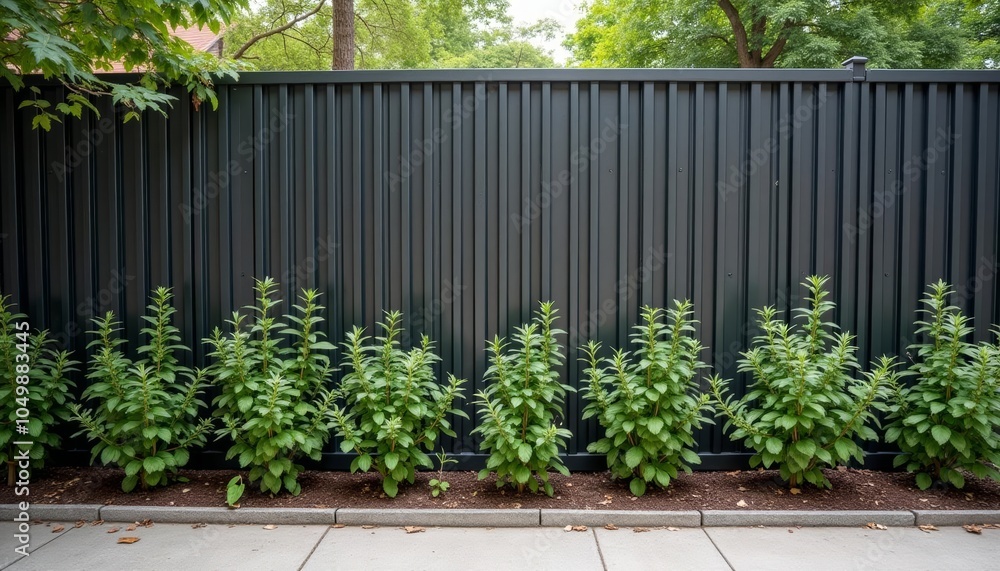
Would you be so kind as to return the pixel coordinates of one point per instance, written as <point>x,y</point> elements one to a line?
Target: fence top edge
<point>512,75</point>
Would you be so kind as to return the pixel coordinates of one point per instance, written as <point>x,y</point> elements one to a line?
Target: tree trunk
<point>343,34</point>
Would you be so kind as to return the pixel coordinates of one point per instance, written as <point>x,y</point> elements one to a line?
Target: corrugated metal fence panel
<point>464,201</point>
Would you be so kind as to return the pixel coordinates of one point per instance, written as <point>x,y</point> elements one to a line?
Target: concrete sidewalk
<point>315,547</point>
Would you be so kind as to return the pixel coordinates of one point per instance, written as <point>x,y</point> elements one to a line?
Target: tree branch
<point>739,31</point>
<point>266,34</point>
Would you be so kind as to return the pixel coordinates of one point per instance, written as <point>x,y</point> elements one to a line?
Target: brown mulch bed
<point>852,489</point>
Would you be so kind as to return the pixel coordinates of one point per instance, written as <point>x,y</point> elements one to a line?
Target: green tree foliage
<point>946,421</point>
<point>777,33</point>
<point>390,34</point>
<point>70,41</point>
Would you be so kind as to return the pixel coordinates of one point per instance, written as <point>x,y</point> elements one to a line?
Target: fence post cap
<point>857,65</point>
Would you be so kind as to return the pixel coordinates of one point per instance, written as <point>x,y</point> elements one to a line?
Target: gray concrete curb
<point>804,518</point>
<point>621,518</point>
<point>956,517</point>
<point>443,517</point>
<point>53,512</point>
<point>288,516</point>
<point>498,518</point>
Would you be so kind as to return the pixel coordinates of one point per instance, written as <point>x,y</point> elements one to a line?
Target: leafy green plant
<point>234,491</point>
<point>439,485</point>
<point>648,401</point>
<point>146,414</point>
<point>521,404</point>
<point>34,389</point>
<point>394,405</point>
<point>273,401</point>
<point>947,420</point>
<point>804,410</point>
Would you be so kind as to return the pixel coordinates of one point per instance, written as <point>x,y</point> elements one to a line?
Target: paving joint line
<point>314,547</point>
<point>717,550</point>
<point>600,553</point>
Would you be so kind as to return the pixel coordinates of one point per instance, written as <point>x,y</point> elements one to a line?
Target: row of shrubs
<point>810,405</point>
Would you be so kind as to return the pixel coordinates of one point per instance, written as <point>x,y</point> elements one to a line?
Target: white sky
<point>566,12</point>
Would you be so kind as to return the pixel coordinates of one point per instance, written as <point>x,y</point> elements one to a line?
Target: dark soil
<point>852,489</point>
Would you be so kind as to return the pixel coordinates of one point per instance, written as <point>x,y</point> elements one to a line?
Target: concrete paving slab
<point>816,518</point>
<point>956,517</point>
<point>53,512</point>
<point>621,518</point>
<point>817,549</point>
<point>686,548</point>
<point>299,516</point>
<point>38,535</point>
<point>468,549</point>
<point>439,517</point>
<point>170,547</point>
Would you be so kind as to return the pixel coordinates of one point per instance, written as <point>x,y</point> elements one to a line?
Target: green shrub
<point>947,420</point>
<point>273,402</point>
<point>648,401</point>
<point>804,410</point>
<point>394,405</point>
<point>520,405</point>
<point>146,414</point>
<point>34,390</point>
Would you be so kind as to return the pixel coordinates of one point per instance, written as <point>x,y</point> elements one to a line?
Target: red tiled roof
<point>201,39</point>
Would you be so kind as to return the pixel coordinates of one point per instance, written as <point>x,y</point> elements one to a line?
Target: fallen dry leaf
<point>270,526</point>
<point>672,528</point>
<point>791,531</point>
<point>127,540</point>
<point>145,523</point>
<point>640,529</point>
<point>369,526</point>
<point>185,490</point>
<point>338,526</point>
<point>197,525</point>
<point>131,527</point>
<point>114,530</point>
<point>794,491</point>
<point>976,529</point>
<point>97,522</point>
<point>927,528</point>
<point>579,528</point>
<point>414,529</point>
<point>741,504</point>
<point>873,525</point>
<point>58,528</point>
<point>611,527</point>
<point>79,524</point>
<point>741,488</point>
